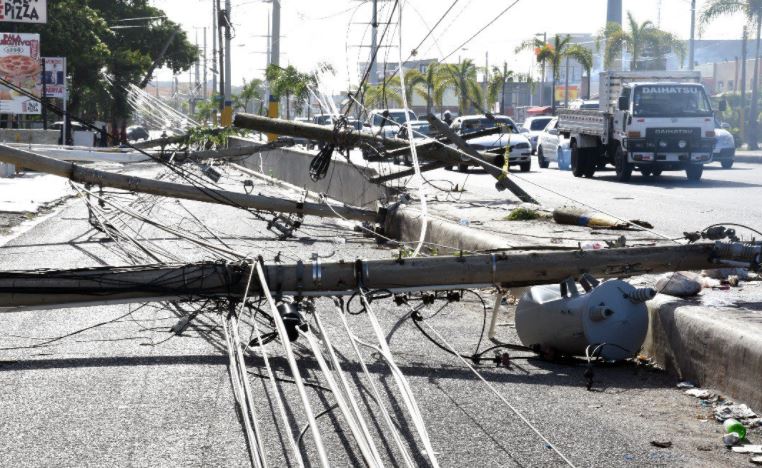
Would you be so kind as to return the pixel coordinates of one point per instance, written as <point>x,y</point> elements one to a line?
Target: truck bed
<point>588,122</point>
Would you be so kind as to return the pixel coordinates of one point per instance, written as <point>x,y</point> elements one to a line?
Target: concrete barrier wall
<point>343,182</point>
<point>21,135</point>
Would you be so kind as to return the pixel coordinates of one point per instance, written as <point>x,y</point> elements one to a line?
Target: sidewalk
<point>747,156</point>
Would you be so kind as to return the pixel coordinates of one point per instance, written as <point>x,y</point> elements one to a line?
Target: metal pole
<point>692,46</point>
<point>566,85</point>
<point>373,79</point>
<point>273,103</point>
<point>486,82</point>
<point>214,47</point>
<point>227,113</point>
<point>65,101</point>
<point>744,55</point>
<point>221,57</point>
<point>44,96</point>
<point>203,93</point>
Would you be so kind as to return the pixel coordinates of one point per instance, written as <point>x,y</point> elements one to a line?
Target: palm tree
<point>752,10</point>
<point>429,84</point>
<point>647,45</point>
<point>549,54</point>
<point>461,78</point>
<point>413,80</point>
<point>289,82</point>
<point>252,91</point>
<point>584,57</point>
<point>497,84</point>
<point>381,96</point>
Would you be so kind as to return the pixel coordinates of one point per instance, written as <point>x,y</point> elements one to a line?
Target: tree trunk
<point>753,124</point>
<point>502,99</point>
<point>288,106</point>
<point>588,84</point>
<point>428,98</point>
<point>553,90</point>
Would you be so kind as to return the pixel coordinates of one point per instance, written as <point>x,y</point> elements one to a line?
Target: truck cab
<point>663,126</point>
<point>647,121</point>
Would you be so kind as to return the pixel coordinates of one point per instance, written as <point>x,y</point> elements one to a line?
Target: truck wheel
<point>541,159</point>
<point>646,172</point>
<point>576,167</point>
<point>622,167</point>
<point>525,167</point>
<point>463,167</point>
<point>727,164</point>
<point>656,172</point>
<point>694,171</point>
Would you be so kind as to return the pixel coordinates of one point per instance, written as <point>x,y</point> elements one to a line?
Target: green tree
<point>752,11</point>
<point>77,32</point>
<point>290,83</point>
<point>381,96</point>
<point>461,78</point>
<point>584,57</point>
<point>427,84</point>
<point>496,86</point>
<point>253,90</point>
<point>647,45</point>
<point>549,54</point>
<point>205,108</point>
<point>414,80</point>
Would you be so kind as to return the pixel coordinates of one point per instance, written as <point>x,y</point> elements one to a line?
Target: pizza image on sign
<point>12,66</point>
<point>21,70</point>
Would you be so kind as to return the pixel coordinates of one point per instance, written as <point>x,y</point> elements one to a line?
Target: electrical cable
<point>283,335</point>
<point>391,426</point>
<point>402,384</point>
<point>501,397</point>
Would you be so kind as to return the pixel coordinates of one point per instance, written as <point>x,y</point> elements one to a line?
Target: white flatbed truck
<point>649,121</point>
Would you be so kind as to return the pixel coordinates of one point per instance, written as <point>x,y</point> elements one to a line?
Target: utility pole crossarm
<point>503,182</point>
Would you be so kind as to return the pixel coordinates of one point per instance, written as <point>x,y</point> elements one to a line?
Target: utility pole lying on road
<point>51,288</point>
<point>433,151</point>
<point>83,175</point>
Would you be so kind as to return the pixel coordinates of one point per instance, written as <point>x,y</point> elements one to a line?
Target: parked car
<point>421,131</point>
<point>385,123</point>
<point>322,119</point>
<point>553,147</point>
<point>725,149</point>
<point>581,104</point>
<point>137,132</point>
<point>533,126</point>
<point>521,149</point>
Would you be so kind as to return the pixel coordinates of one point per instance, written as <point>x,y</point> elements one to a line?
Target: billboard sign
<point>561,93</point>
<point>55,77</point>
<point>21,68</point>
<point>24,11</point>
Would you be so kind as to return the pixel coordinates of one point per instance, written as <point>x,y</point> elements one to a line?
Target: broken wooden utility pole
<point>50,288</point>
<point>494,168</point>
<point>350,138</point>
<point>83,175</point>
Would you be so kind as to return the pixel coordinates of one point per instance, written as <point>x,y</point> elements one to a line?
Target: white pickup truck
<point>650,121</point>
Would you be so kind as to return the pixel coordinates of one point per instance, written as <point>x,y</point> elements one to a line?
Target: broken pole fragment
<point>83,175</point>
<point>488,162</point>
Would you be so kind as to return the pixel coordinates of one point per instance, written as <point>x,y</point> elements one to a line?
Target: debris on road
<point>662,443</point>
<point>748,449</point>
<point>729,410</point>
<point>685,384</point>
<point>698,393</point>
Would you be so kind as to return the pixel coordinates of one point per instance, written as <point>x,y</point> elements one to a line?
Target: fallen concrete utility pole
<point>83,175</point>
<point>492,167</point>
<point>228,153</point>
<point>408,172</point>
<point>353,138</point>
<point>50,288</point>
<point>170,140</point>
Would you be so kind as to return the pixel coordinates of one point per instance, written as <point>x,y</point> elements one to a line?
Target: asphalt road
<point>671,202</point>
<point>108,385</point>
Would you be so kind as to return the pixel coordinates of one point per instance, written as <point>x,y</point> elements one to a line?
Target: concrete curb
<point>718,348</point>
<point>749,159</point>
<point>404,224</point>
